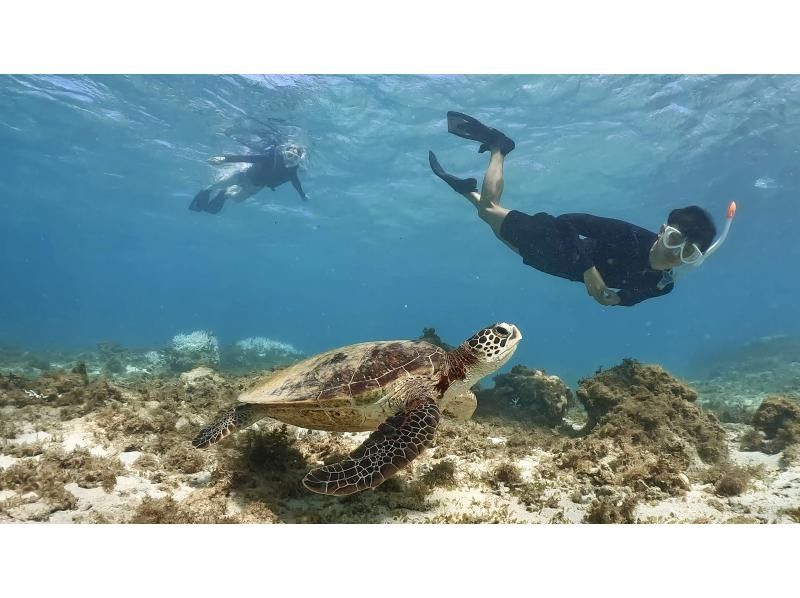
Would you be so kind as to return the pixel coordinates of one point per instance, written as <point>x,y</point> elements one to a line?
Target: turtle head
<point>494,344</point>
<point>482,353</point>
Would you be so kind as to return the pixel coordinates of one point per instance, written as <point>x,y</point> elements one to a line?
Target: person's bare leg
<point>488,202</point>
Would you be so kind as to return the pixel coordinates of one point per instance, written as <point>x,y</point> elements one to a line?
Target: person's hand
<point>216,160</point>
<point>596,287</point>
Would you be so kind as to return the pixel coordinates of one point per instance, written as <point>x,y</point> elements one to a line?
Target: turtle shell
<point>353,376</point>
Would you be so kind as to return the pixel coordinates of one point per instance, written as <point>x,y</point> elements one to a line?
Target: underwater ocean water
<point>98,243</point>
<point>131,322</point>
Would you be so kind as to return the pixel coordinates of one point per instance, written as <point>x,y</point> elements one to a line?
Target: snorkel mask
<point>293,154</point>
<point>690,253</point>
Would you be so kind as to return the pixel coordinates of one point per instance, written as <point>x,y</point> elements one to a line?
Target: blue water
<point>97,242</point>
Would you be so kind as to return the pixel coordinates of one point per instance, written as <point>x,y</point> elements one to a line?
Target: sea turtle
<point>396,388</point>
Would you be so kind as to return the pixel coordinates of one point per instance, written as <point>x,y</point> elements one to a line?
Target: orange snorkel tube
<point>716,244</point>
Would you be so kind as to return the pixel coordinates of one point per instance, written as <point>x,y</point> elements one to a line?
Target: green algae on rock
<point>644,430</point>
<point>779,419</point>
<point>526,394</point>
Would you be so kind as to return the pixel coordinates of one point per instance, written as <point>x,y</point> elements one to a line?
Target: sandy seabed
<point>77,448</point>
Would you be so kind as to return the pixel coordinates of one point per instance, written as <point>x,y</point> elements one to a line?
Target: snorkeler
<point>276,166</point>
<point>603,253</point>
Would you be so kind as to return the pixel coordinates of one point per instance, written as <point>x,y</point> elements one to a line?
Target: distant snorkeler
<point>273,167</point>
<point>603,253</point>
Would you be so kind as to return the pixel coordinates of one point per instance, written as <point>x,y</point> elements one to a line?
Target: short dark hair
<point>695,224</point>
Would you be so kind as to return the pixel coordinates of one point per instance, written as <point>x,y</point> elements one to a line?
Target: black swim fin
<point>468,127</point>
<point>458,185</point>
<point>215,205</point>
<point>200,201</point>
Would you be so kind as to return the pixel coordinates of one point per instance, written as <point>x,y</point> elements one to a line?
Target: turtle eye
<point>501,331</point>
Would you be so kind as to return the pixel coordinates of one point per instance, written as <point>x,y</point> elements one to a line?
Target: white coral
<point>195,348</point>
<point>263,346</point>
<point>198,341</point>
<point>154,358</point>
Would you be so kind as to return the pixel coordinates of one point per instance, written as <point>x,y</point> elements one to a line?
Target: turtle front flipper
<point>239,416</point>
<point>392,446</point>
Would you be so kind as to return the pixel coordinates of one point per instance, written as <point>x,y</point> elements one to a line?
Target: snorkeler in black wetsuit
<point>276,166</point>
<point>603,253</point>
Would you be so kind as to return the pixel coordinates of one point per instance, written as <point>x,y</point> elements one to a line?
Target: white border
<point>398,560</point>
<point>413,36</point>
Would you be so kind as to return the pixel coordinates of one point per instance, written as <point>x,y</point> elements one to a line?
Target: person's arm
<point>296,184</point>
<point>596,287</point>
<point>251,159</point>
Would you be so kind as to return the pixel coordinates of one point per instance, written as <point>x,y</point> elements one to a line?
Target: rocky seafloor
<point>631,444</point>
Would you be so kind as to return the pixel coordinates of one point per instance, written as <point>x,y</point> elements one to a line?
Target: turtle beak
<point>515,337</point>
<point>511,336</point>
<point>514,334</point>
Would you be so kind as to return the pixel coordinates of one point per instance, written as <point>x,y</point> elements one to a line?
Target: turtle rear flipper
<point>392,446</point>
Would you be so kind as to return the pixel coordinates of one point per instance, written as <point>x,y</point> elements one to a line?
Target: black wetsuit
<point>570,244</point>
<point>269,170</point>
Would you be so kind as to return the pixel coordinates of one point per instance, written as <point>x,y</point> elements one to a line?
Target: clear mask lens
<point>674,240</point>
<point>672,237</point>
<point>690,253</point>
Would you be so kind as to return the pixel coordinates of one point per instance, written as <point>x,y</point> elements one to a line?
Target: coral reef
<point>644,432</point>
<point>615,387</point>
<point>258,353</point>
<point>45,479</point>
<point>79,443</point>
<point>735,380</point>
<point>70,393</point>
<point>113,357</point>
<point>185,351</point>
<point>779,419</point>
<point>189,350</point>
<point>528,395</point>
<point>765,354</point>
<point>429,335</point>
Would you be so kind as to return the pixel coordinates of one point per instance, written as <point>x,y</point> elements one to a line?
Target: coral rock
<point>429,335</point>
<point>775,413</point>
<point>779,419</point>
<point>645,426</point>
<point>606,390</point>
<point>529,393</point>
<point>186,351</point>
<point>192,376</point>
